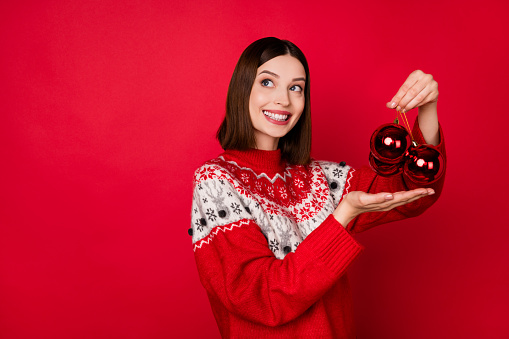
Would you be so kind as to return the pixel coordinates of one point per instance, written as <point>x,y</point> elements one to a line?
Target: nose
<point>282,97</point>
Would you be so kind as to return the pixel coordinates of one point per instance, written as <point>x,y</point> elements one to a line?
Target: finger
<point>406,195</point>
<point>369,200</point>
<point>409,82</point>
<point>418,91</point>
<point>428,94</point>
<point>389,205</point>
<point>385,201</point>
<point>415,191</point>
<point>417,102</point>
<point>394,205</point>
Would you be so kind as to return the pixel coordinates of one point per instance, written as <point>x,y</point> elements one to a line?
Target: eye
<point>267,83</point>
<point>296,88</point>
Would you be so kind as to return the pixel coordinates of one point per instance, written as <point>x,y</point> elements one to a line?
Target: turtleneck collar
<point>260,161</point>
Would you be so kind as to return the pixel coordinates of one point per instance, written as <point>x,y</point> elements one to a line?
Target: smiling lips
<point>277,117</point>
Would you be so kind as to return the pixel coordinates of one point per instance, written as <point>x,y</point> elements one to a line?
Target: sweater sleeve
<point>366,180</point>
<point>238,269</point>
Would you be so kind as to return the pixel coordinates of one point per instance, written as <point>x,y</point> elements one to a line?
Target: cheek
<point>300,105</point>
<point>257,99</point>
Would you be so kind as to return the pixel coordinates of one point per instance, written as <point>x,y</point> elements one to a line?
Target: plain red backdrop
<point>108,107</point>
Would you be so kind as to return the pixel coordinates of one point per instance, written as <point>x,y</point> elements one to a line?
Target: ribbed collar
<point>260,161</point>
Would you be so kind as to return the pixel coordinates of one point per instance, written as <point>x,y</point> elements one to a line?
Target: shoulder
<point>216,168</point>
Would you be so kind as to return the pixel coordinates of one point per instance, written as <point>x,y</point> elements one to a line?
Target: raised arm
<point>371,199</point>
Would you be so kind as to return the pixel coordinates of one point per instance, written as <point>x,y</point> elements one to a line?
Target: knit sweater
<point>269,253</point>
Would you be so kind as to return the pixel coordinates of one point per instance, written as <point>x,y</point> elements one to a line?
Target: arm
<point>238,269</point>
<point>419,90</point>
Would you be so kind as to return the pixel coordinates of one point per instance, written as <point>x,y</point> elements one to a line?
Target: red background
<point>107,108</point>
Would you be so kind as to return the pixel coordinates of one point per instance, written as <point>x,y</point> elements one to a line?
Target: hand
<point>358,202</point>
<point>418,90</point>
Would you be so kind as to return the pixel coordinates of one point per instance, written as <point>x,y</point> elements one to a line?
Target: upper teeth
<point>279,117</point>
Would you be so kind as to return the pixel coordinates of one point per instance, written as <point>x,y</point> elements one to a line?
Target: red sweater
<point>269,253</point>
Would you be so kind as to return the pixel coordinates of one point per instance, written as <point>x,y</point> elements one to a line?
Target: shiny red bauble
<point>384,169</point>
<point>425,164</point>
<point>389,143</point>
<point>393,152</point>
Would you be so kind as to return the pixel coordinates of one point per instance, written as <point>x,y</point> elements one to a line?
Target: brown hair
<point>236,130</point>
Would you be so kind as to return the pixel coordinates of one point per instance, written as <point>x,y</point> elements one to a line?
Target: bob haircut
<point>236,130</point>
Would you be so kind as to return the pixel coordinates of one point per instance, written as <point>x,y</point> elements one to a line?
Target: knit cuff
<point>334,245</point>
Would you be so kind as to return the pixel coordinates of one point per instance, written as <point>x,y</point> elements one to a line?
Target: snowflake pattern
<point>337,173</point>
<point>299,183</point>
<point>270,191</point>
<point>199,226</point>
<point>244,177</point>
<point>282,193</point>
<point>274,245</point>
<point>236,208</point>
<point>210,213</point>
<point>258,186</point>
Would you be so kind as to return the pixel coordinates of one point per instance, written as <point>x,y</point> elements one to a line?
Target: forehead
<point>286,66</point>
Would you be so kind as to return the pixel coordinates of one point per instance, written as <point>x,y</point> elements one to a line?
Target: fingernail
<point>389,197</point>
<point>403,111</point>
<point>398,109</point>
<point>393,104</point>
<point>431,193</point>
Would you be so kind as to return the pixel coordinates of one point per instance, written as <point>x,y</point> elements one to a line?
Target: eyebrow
<point>277,76</point>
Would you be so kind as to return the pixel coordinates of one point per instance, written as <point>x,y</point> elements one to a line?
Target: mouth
<point>279,116</point>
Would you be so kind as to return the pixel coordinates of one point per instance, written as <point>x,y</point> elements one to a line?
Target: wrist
<point>428,122</point>
<point>344,213</point>
<point>429,108</point>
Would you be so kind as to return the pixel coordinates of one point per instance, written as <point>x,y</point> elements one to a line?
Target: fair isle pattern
<point>224,196</point>
<point>218,229</point>
<point>301,197</point>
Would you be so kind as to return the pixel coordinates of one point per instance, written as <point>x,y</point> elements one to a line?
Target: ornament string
<point>405,124</point>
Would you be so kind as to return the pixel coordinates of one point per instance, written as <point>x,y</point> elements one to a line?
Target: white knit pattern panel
<point>219,199</point>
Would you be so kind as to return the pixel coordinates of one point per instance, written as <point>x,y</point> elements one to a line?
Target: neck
<point>265,142</point>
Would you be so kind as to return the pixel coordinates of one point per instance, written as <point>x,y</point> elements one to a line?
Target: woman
<point>272,228</point>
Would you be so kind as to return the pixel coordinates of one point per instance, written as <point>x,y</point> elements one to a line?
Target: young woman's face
<point>277,99</point>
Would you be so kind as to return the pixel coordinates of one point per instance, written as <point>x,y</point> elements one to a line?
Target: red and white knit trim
<point>217,229</point>
<point>348,183</point>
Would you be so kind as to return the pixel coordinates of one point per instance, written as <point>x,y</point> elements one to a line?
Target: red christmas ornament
<point>384,169</point>
<point>393,151</point>
<point>425,164</point>
<point>389,143</point>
